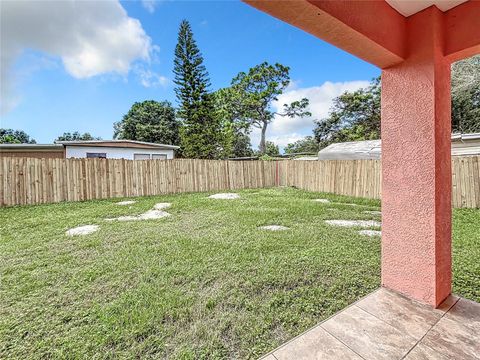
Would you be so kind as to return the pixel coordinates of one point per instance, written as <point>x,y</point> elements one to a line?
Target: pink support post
<point>416,165</point>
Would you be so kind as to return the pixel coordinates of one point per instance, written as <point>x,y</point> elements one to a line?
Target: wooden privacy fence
<point>362,178</point>
<point>359,178</point>
<point>36,181</point>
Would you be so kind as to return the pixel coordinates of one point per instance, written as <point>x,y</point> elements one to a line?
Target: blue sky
<point>96,59</point>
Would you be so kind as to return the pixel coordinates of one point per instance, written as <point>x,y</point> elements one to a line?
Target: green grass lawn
<point>202,283</point>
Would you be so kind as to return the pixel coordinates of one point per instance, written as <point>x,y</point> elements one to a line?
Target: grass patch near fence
<point>202,283</point>
<point>466,253</point>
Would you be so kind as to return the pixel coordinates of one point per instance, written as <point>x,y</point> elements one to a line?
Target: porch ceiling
<point>409,7</point>
<point>376,31</point>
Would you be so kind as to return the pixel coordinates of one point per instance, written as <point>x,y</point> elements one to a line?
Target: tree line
<point>355,115</point>
<point>212,124</point>
<point>217,124</point>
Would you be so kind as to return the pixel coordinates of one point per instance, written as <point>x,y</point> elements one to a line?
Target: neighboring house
<point>47,151</point>
<point>109,149</point>
<point>354,150</point>
<point>462,145</point>
<point>117,149</point>
<point>465,144</point>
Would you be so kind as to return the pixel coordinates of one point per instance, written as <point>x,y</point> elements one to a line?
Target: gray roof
<point>465,137</point>
<point>61,144</point>
<point>119,142</point>
<point>370,149</point>
<point>31,146</point>
<point>462,144</point>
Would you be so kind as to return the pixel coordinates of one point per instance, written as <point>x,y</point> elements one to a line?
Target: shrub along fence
<point>35,181</point>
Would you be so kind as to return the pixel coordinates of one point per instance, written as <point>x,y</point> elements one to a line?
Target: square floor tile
<point>467,313</point>
<point>369,336</point>
<point>268,357</point>
<point>408,316</point>
<point>422,352</point>
<point>454,340</point>
<point>315,344</point>
<point>447,304</point>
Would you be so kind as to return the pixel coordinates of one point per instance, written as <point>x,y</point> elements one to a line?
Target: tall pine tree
<point>200,135</point>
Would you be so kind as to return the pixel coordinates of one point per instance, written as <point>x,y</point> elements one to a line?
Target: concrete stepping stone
<point>354,223</point>
<point>225,196</point>
<point>126,202</point>
<point>373,212</point>
<point>82,230</point>
<point>323,201</point>
<point>161,206</point>
<point>149,215</point>
<point>153,214</point>
<point>370,232</point>
<point>274,227</point>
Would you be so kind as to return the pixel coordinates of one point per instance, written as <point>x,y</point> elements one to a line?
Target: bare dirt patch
<point>82,230</point>
<point>354,223</point>
<point>225,196</point>
<point>274,227</point>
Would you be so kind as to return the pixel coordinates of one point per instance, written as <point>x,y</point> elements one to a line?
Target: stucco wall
<point>416,166</point>
<point>113,152</point>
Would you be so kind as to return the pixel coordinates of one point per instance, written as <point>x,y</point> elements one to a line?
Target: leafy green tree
<point>466,95</point>
<point>235,131</point>
<point>306,145</point>
<point>242,146</point>
<point>10,136</point>
<point>200,134</point>
<point>354,116</point>
<point>76,136</point>
<point>253,94</point>
<point>271,149</point>
<point>149,121</point>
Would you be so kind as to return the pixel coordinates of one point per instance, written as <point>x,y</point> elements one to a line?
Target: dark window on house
<point>96,155</point>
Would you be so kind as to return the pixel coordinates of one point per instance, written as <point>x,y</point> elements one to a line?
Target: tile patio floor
<point>386,325</point>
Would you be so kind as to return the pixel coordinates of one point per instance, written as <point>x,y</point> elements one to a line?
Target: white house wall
<point>113,152</point>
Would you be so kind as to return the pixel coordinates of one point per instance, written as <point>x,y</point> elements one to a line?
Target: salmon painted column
<point>416,165</point>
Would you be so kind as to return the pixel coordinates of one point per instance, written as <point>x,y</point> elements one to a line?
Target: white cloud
<point>90,38</point>
<point>149,78</point>
<point>150,5</point>
<point>284,140</point>
<point>284,130</point>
